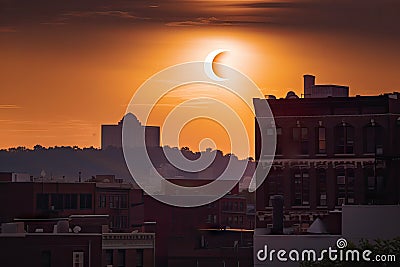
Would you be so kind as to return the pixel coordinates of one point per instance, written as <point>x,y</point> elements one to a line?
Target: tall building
<point>111,135</point>
<point>330,151</point>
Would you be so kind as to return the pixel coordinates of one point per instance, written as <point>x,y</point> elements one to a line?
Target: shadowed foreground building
<point>121,222</point>
<point>330,151</point>
<point>76,241</point>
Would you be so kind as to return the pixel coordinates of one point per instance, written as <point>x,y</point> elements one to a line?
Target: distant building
<point>312,90</point>
<point>111,135</point>
<point>330,151</point>
<point>15,177</point>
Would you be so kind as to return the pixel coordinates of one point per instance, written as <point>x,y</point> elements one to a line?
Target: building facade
<point>74,242</point>
<point>330,152</point>
<point>122,202</point>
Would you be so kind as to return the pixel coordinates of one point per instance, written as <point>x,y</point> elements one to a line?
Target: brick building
<point>330,151</point>
<point>73,241</point>
<point>103,195</point>
<point>123,208</point>
<point>181,233</point>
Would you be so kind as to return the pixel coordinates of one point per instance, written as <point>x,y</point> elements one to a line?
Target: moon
<point>208,65</point>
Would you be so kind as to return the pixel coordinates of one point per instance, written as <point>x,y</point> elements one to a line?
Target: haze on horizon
<point>69,66</point>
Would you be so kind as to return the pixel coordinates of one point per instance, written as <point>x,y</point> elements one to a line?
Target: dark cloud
<point>198,22</point>
<point>367,17</point>
<point>108,13</point>
<point>361,17</point>
<point>211,21</point>
<point>263,4</point>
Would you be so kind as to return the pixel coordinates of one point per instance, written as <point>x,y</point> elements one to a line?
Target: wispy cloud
<point>7,106</point>
<point>7,29</point>
<point>108,13</point>
<point>164,105</point>
<point>199,22</point>
<point>277,4</point>
<point>26,130</point>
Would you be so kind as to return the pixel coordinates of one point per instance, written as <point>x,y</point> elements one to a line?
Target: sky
<point>69,66</point>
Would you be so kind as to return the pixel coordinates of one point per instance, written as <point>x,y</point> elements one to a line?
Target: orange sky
<point>64,75</point>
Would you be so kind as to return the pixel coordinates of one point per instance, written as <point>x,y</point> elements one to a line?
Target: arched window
<point>373,138</point>
<point>344,139</point>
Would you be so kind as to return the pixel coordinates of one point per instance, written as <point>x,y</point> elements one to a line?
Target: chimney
<point>309,82</point>
<point>277,214</point>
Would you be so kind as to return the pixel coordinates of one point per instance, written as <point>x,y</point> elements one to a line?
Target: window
<point>102,201</point>
<point>109,257</point>
<point>71,201</point>
<point>42,201</point>
<point>77,258</point>
<point>300,136</point>
<point>123,202</point>
<point>118,202</point>
<point>345,185</point>
<point>274,185</point>
<point>121,258</point>
<point>57,201</point>
<point>321,141</point>
<point>301,185</point>
<point>46,259</point>
<point>209,218</point>
<point>241,206</point>
<point>344,139</point>
<point>322,187</point>
<point>85,201</point>
<point>139,258</point>
<point>375,185</point>
<point>278,141</point>
<point>373,139</point>
<point>119,222</point>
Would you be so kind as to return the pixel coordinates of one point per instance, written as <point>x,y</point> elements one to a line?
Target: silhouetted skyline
<point>68,67</point>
